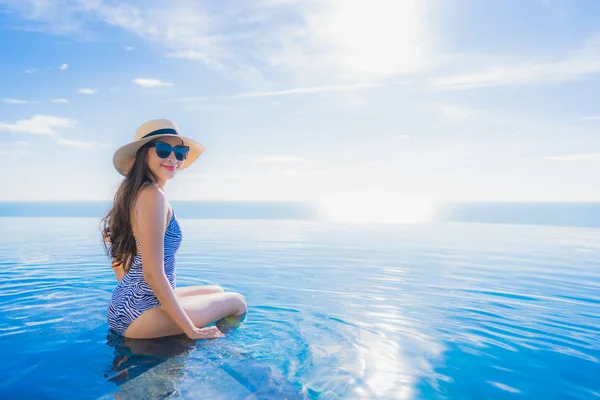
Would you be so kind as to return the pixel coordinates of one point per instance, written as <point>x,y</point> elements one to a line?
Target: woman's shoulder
<point>150,197</point>
<point>150,204</point>
<point>150,184</point>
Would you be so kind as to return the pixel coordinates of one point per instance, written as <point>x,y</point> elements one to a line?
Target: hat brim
<point>125,155</point>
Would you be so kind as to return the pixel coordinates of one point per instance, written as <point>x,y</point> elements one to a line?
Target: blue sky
<point>353,104</point>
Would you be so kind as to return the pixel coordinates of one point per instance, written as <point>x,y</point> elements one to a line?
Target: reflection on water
<point>152,368</point>
<point>335,311</point>
<point>133,357</point>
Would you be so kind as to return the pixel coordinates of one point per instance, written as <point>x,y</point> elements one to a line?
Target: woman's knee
<point>241,302</point>
<point>215,288</point>
<point>187,291</point>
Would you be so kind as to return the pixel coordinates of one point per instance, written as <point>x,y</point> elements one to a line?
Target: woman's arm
<point>119,272</point>
<point>150,209</point>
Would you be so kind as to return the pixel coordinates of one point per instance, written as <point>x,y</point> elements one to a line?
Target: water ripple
<point>335,311</point>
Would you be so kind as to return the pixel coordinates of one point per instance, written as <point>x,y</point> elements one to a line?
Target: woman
<point>142,235</point>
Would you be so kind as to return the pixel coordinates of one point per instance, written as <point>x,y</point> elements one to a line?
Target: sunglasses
<point>163,150</point>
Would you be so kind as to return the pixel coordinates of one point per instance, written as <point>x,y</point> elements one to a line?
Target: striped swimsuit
<point>133,295</point>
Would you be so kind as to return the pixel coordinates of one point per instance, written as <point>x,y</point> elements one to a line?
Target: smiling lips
<point>169,167</point>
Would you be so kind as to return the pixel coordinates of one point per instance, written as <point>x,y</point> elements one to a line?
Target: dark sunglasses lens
<point>181,152</point>
<point>163,150</point>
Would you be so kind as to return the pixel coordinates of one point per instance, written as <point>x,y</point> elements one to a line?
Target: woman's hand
<point>210,332</point>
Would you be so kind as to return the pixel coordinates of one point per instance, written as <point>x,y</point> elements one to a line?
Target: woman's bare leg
<point>198,290</point>
<point>202,310</point>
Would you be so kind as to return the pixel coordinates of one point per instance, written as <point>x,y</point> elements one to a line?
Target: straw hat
<point>125,155</point>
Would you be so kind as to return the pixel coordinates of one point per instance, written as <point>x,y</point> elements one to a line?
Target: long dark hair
<point>117,233</point>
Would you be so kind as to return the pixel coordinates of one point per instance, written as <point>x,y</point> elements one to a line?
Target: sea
<point>488,301</point>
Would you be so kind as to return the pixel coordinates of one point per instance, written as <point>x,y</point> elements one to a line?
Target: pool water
<point>336,310</point>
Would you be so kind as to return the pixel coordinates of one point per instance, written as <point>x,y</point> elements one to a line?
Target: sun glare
<point>380,36</point>
<point>357,207</point>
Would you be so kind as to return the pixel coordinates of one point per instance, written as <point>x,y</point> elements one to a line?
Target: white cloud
<point>520,75</point>
<point>60,100</point>
<point>454,112</point>
<point>30,71</point>
<point>218,175</point>
<point>576,65</point>
<point>74,143</point>
<point>591,118</point>
<point>189,55</point>
<point>38,125</point>
<point>329,38</point>
<point>45,125</point>
<point>277,159</point>
<point>129,48</point>
<point>149,83</point>
<point>380,37</point>
<point>187,99</point>
<point>63,67</point>
<point>287,92</point>
<point>22,143</point>
<point>11,152</point>
<point>15,101</point>
<point>304,173</point>
<point>87,91</point>
<point>286,173</point>
<point>309,90</point>
<point>573,157</point>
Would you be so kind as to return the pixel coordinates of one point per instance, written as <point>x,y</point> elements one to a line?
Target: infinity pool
<point>442,311</point>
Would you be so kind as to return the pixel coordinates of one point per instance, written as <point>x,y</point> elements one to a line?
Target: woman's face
<point>164,168</point>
